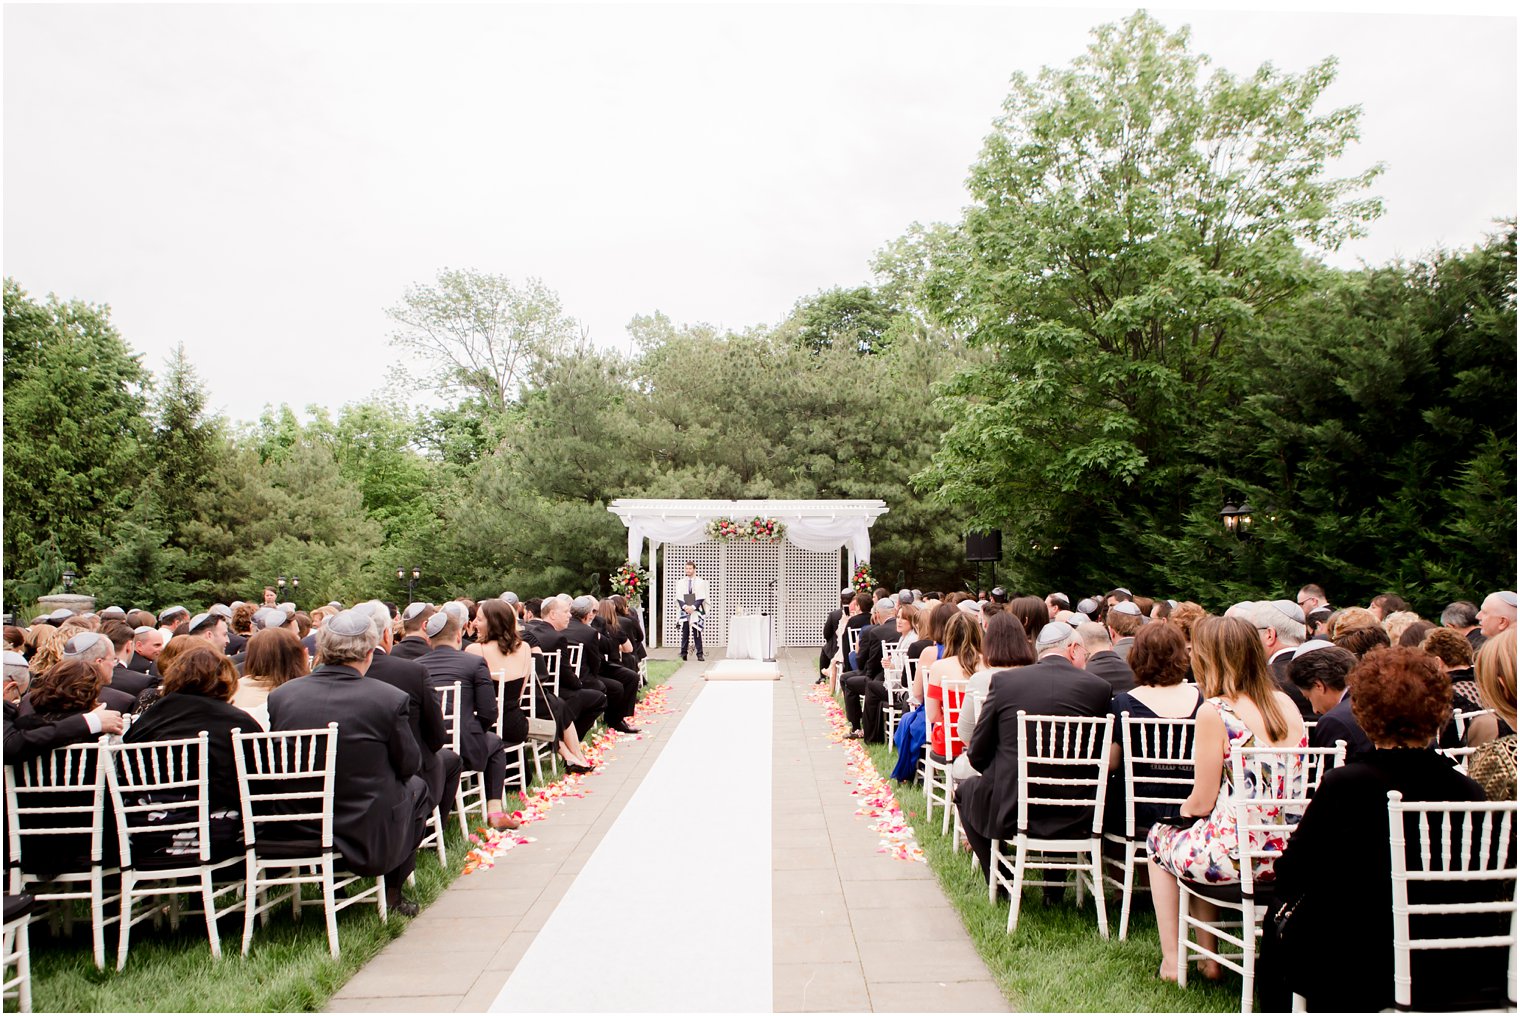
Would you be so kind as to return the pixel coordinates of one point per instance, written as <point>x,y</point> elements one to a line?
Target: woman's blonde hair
<point>1397,623</point>
<point>48,648</point>
<point>963,640</point>
<point>1495,671</point>
<point>1229,662</point>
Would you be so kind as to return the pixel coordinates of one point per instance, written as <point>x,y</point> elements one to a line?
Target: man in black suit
<point>479,744</point>
<point>867,684</point>
<point>1056,685</point>
<point>547,634</point>
<point>1123,620</point>
<point>96,650</point>
<point>440,765</point>
<point>831,634</point>
<point>24,743</point>
<point>147,643</point>
<point>1101,658</point>
<point>414,642</point>
<point>380,804</point>
<point>1319,671</point>
<point>620,685</point>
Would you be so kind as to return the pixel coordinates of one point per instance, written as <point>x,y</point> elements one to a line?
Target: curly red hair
<point>1400,696</point>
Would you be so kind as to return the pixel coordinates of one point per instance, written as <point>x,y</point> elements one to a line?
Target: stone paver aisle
<point>854,930</point>
<point>457,954</point>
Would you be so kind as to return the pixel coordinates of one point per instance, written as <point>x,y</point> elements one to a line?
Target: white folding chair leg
<point>1300,1003</point>
<point>1128,890</point>
<point>1097,887</point>
<point>330,907</point>
<point>1016,890</point>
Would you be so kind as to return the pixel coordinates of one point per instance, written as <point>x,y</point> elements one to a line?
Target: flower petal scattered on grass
<point>877,801</point>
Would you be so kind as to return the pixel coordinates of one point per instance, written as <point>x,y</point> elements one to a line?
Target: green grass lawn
<point>288,969</point>
<point>1056,961</point>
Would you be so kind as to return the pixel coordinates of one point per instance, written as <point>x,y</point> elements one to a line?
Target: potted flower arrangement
<point>630,580</point>
<point>863,580</point>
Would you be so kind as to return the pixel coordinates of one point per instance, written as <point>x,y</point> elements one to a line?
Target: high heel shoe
<point>500,820</point>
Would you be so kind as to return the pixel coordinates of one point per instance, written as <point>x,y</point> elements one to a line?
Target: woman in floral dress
<point>1242,709</point>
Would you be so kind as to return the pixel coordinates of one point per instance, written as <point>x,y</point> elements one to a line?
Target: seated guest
<point>240,627</point>
<point>1319,670</point>
<point>195,697</point>
<point>1335,868</point>
<point>1462,617</point>
<point>41,734</point>
<point>1055,685</point>
<point>963,656</point>
<point>1102,661</point>
<point>47,648</point>
<point>620,685</point>
<point>633,628</point>
<point>1352,619</point>
<point>96,650</point>
<point>1243,708</point>
<point>857,619</point>
<point>1124,621</point>
<point>1159,659</point>
<point>610,645</point>
<point>1398,622</point>
<point>1415,634</point>
<point>1493,764</point>
<point>1280,625</point>
<point>510,659</point>
<point>1003,646</point>
<point>1032,614</point>
<point>546,634</point>
<point>929,646</point>
<point>440,766</point>
<point>273,656</point>
<point>147,643</point>
<point>414,642</point>
<point>480,747</point>
<point>380,805</point>
<point>865,688</point>
<point>831,625</point>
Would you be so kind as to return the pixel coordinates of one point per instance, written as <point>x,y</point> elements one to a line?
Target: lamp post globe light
<point>68,579</point>
<point>410,580</point>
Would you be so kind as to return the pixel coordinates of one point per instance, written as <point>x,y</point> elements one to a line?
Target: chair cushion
<point>17,906</point>
<point>1229,892</point>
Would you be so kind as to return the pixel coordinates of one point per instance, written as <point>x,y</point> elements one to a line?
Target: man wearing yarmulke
<point>380,804</point>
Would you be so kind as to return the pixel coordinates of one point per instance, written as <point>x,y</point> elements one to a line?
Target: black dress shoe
<point>701,657</point>
<point>404,907</point>
<point>623,728</point>
<point>683,656</point>
<point>571,767</point>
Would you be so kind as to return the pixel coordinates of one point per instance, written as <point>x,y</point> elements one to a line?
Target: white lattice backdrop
<point>673,558</point>
<point>812,590</point>
<point>739,576</point>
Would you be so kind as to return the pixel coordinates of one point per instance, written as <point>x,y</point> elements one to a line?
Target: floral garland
<point>863,580</point>
<point>756,530</point>
<point>630,580</point>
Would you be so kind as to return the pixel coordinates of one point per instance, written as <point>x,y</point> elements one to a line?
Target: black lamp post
<point>411,581</point>
<point>1237,518</point>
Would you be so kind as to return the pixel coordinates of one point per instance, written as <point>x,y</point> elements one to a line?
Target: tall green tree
<point>74,400</point>
<point>1134,224</point>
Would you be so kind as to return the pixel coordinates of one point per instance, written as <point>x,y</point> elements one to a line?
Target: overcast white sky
<point>260,182</point>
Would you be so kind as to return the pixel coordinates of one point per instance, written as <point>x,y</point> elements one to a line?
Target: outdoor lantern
<point>1231,516</point>
<point>1243,520</point>
<point>68,579</point>
<point>280,582</point>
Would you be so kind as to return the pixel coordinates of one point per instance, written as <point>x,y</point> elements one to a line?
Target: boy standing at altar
<point>691,599</point>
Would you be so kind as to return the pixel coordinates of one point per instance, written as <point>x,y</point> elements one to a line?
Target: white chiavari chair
<point>1062,762</point>
<point>471,792</point>
<point>286,783</point>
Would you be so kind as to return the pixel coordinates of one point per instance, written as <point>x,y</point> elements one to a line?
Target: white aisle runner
<point>672,913</point>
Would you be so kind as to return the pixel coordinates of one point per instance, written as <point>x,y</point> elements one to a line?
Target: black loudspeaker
<point>986,546</point>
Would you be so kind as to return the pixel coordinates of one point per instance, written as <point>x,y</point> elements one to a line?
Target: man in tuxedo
<point>479,744</point>
<point>414,642</point>
<point>1056,685</point>
<point>618,683</point>
<point>1319,670</point>
<point>1312,597</point>
<point>583,702</point>
<point>831,633</point>
<point>1123,620</point>
<point>1055,603</point>
<point>1101,658</point>
<point>440,765</point>
<point>691,601</point>
<point>141,672</point>
<point>24,743</point>
<point>1280,625</point>
<point>1497,614</point>
<point>380,804</point>
<point>212,628</point>
<point>865,688</point>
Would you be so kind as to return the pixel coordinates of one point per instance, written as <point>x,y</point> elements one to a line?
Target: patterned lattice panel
<point>811,584</point>
<point>673,558</point>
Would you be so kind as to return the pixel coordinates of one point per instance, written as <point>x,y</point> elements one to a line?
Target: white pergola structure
<point>798,580</point>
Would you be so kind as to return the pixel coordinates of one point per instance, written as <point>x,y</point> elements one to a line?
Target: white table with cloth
<point>748,636</point>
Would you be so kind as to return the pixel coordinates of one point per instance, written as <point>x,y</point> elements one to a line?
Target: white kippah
<point>436,622</point>
<point>349,623</point>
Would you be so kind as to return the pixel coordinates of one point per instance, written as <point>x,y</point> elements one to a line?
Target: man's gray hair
<point>88,646</point>
<point>347,637</point>
<point>379,615</point>
<point>1461,614</point>
<point>1267,614</point>
<point>16,670</point>
<point>1054,638</point>
<point>582,606</point>
<point>1094,636</point>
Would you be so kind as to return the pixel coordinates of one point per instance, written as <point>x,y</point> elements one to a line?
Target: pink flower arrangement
<point>756,530</point>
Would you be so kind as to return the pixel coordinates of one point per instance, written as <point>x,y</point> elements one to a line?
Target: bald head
<point>1497,615</point>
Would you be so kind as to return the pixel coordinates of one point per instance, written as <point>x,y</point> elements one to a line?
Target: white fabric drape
<point>817,534</point>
